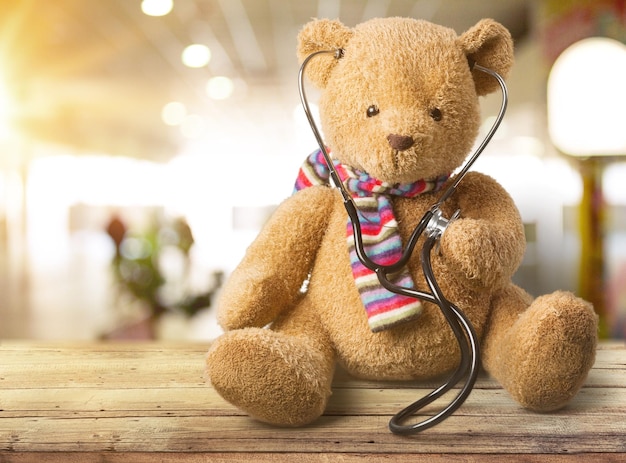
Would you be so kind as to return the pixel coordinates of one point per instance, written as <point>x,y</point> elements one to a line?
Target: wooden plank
<point>122,399</point>
<point>89,368</point>
<point>80,365</point>
<point>104,402</point>
<point>362,434</point>
<point>230,457</point>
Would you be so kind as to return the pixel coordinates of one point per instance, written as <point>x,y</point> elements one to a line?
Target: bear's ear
<point>489,44</point>
<point>318,35</point>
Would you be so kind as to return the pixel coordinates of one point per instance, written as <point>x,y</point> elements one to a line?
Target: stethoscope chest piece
<point>438,224</point>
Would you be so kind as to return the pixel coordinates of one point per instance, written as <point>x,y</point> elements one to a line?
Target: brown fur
<point>540,350</point>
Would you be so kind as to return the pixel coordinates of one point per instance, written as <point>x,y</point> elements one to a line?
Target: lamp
<point>587,120</point>
<point>587,98</point>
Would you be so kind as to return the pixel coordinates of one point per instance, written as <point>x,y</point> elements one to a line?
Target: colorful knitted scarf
<point>381,239</point>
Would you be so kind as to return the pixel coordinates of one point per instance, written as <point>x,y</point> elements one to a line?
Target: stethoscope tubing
<point>468,343</point>
<point>433,226</point>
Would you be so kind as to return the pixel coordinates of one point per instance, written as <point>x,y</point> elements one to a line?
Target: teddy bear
<point>399,107</point>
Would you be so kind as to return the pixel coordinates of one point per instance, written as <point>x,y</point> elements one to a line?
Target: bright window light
<point>587,98</point>
<point>157,7</point>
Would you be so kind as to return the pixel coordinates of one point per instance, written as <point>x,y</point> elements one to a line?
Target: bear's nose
<point>400,142</point>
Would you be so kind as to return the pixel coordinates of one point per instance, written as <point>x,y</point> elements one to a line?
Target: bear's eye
<point>435,113</point>
<point>372,111</point>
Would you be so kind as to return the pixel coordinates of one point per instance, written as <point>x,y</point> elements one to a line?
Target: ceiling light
<point>173,113</point>
<point>220,87</point>
<point>157,7</point>
<point>196,55</point>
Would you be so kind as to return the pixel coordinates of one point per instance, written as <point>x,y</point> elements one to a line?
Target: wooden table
<point>149,402</point>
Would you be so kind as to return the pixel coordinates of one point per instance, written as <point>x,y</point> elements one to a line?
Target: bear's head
<point>400,101</point>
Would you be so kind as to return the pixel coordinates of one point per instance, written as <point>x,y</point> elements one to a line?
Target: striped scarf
<point>381,239</point>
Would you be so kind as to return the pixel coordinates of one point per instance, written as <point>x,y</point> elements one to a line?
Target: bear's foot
<point>545,357</point>
<point>274,377</point>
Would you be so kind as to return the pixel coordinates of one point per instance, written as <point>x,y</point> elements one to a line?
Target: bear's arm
<point>269,277</point>
<point>486,245</point>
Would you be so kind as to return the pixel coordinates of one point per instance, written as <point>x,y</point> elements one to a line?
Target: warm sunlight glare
<point>6,108</point>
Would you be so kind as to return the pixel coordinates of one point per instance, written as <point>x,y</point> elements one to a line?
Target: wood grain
<point>150,402</point>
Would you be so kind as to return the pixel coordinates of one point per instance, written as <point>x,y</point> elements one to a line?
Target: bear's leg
<point>541,350</point>
<point>282,377</point>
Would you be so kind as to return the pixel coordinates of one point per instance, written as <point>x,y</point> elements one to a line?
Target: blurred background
<point>143,144</point>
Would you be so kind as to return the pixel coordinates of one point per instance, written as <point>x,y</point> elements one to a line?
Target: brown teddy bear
<point>400,111</point>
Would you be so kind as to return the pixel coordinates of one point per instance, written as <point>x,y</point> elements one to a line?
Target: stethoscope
<point>433,224</point>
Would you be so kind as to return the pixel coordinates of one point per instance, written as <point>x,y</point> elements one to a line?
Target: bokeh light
<point>196,55</point>
<point>173,113</point>
<point>220,87</point>
<point>157,7</point>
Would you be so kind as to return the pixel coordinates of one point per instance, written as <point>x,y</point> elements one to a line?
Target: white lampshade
<point>587,99</point>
